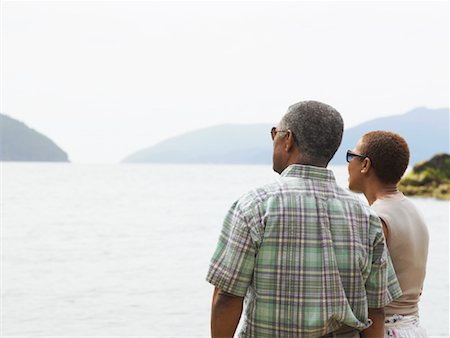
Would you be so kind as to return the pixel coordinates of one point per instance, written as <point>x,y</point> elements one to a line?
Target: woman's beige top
<point>408,247</point>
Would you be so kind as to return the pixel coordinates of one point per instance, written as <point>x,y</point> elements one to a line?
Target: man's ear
<point>289,142</point>
<point>366,166</point>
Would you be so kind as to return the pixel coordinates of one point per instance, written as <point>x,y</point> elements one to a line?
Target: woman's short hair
<point>389,154</point>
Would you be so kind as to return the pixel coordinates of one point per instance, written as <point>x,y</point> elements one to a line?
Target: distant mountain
<point>425,130</point>
<point>21,143</point>
<point>220,144</point>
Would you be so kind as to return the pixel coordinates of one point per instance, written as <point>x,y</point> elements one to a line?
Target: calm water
<point>122,250</point>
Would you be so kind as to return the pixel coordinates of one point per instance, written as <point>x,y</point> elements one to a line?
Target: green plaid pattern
<point>308,257</point>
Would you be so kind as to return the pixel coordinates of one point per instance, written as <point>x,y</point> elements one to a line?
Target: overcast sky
<point>105,79</point>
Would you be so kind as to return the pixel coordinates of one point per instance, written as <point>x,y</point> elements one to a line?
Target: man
<point>309,259</point>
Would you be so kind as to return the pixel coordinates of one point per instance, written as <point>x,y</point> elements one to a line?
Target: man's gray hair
<point>317,129</point>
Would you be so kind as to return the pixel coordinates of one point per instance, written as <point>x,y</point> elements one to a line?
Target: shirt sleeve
<point>231,267</point>
<point>393,287</point>
<point>382,286</point>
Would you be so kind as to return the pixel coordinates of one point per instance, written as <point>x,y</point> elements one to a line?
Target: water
<point>123,250</point>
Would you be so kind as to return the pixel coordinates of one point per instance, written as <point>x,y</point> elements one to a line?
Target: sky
<point>105,79</point>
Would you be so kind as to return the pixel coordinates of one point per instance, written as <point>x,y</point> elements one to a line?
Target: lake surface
<point>123,250</point>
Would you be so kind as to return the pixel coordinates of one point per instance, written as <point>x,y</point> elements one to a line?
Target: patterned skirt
<point>398,326</point>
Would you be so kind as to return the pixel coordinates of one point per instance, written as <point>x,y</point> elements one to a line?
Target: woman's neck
<point>378,190</point>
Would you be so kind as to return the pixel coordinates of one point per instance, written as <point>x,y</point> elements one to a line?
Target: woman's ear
<point>366,165</point>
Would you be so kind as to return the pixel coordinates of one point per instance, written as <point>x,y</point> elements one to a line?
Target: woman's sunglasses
<point>351,155</point>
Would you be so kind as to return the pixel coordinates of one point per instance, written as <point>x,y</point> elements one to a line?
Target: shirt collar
<point>307,171</point>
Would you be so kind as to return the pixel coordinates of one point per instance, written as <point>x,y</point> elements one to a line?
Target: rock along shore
<point>429,178</point>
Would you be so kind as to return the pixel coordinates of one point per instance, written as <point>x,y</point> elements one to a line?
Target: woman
<point>375,167</point>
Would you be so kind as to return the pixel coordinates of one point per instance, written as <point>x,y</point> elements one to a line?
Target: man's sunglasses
<point>351,155</point>
<point>274,132</point>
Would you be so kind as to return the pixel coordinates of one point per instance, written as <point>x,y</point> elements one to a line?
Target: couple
<point>310,259</point>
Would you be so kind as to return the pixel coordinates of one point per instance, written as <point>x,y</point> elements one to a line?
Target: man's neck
<point>303,160</point>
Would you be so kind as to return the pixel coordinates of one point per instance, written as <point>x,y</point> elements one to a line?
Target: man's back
<point>308,256</point>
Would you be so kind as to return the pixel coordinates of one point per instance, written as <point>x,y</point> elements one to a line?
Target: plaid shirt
<point>308,257</point>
